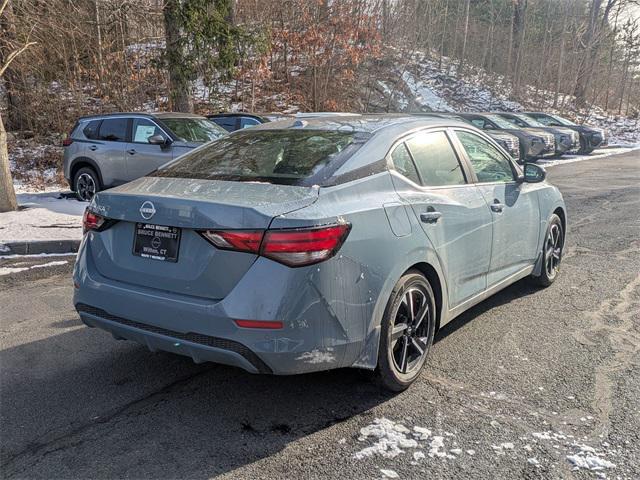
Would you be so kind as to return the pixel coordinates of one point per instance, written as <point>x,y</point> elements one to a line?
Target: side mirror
<point>534,173</point>
<point>159,140</point>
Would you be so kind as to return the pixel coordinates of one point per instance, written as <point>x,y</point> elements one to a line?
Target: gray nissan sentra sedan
<point>306,245</point>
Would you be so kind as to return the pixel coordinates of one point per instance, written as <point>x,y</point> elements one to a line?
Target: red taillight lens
<point>293,247</point>
<point>239,240</point>
<point>67,141</point>
<point>92,221</point>
<point>304,246</point>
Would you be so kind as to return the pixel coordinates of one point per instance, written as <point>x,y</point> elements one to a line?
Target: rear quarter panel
<point>358,281</point>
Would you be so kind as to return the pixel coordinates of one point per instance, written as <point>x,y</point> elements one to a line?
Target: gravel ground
<point>521,386</point>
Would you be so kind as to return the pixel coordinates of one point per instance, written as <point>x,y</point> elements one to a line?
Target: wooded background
<point>89,56</point>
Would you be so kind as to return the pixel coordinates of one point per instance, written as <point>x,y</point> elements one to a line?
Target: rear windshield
<point>194,129</point>
<point>291,157</point>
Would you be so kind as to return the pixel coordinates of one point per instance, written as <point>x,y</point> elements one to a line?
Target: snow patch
<point>392,438</point>
<point>600,153</point>
<point>10,270</point>
<point>588,461</point>
<point>389,473</point>
<point>43,216</point>
<point>424,96</point>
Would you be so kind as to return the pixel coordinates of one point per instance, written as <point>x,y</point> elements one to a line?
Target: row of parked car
<point>103,151</point>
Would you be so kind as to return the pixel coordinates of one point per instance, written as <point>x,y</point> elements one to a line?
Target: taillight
<point>92,221</point>
<point>67,141</point>
<point>304,246</point>
<point>239,240</point>
<point>293,247</point>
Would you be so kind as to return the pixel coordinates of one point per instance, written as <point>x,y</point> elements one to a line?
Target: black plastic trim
<point>200,339</point>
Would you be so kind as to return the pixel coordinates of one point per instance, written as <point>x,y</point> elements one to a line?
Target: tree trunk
<point>464,40</point>
<point>15,88</point>
<point>519,21</point>
<point>179,82</point>
<point>8,201</point>
<point>587,56</point>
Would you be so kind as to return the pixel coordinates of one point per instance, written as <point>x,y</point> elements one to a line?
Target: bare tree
<point>7,194</point>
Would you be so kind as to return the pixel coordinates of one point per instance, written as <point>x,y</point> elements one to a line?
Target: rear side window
<point>293,157</point>
<point>113,129</point>
<point>437,163</point>
<point>91,129</point>
<point>404,164</point>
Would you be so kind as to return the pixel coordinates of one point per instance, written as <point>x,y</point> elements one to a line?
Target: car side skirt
<point>466,305</point>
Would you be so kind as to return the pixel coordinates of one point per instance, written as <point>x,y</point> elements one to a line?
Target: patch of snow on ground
<point>9,270</point>
<point>599,153</point>
<point>425,96</point>
<point>43,216</point>
<point>589,461</point>
<point>391,439</point>
<point>389,473</point>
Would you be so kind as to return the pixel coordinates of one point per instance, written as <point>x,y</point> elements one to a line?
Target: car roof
<point>384,130</point>
<point>158,115</point>
<point>236,114</point>
<point>389,124</point>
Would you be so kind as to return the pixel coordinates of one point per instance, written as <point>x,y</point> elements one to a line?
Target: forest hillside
<point>580,58</point>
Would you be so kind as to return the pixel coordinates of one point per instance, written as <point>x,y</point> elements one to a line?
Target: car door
<point>451,211</point>
<point>108,152</point>
<point>513,206</point>
<point>141,156</point>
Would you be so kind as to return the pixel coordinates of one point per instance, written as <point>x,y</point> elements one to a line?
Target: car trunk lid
<point>200,269</point>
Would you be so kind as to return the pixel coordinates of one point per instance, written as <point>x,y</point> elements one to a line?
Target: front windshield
<point>275,156</point>
<point>501,121</point>
<point>564,121</point>
<point>528,120</point>
<point>190,129</point>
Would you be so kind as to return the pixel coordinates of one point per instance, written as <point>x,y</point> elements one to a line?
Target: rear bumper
<point>314,336</point>
<point>201,348</point>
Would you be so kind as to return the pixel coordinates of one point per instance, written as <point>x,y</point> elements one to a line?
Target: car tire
<point>552,249</point>
<point>408,327</point>
<point>86,183</point>
<point>584,149</point>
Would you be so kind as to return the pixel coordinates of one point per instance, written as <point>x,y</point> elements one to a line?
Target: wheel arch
<point>563,219</point>
<point>432,276</point>
<point>82,162</point>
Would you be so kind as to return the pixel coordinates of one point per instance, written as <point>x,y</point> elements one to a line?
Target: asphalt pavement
<point>529,384</point>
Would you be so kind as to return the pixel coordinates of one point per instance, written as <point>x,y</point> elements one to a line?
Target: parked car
<point>534,143</point>
<point>567,140</point>
<point>307,245</point>
<point>238,120</point>
<point>509,142</point>
<point>590,137</point>
<point>103,151</point>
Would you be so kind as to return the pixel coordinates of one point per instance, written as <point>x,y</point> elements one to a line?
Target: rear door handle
<point>93,148</point>
<point>430,217</point>
<point>131,151</point>
<point>497,207</point>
